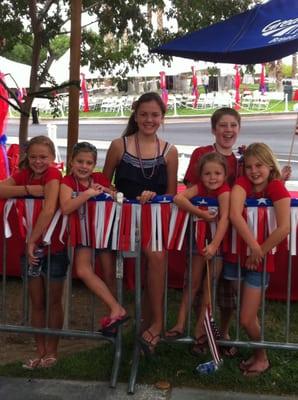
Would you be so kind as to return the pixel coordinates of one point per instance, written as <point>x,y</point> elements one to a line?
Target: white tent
<point>18,71</point>
<point>175,67</point>
<point>178,66</point>
<point>59,69</point>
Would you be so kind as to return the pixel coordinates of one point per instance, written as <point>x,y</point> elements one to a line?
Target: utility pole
<point>74,76</point>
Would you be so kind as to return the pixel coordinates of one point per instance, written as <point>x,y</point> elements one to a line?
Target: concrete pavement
<point>45,389</point>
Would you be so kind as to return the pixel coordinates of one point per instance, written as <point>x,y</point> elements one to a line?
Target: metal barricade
<point>92,332</point>
<point>122,227</point>
<point>237,340</point>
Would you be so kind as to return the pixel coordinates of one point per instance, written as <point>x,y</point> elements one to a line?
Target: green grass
<point>173,363</point>
<point>274,106</point>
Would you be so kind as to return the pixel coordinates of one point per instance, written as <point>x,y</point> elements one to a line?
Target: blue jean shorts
<point>250,278</point>
<point>96,251</point>
<point>58,266</point>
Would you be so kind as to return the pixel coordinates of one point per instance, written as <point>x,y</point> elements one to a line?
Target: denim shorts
<point>96,251</point>
<point>58,266</point>
<point>250,278</point>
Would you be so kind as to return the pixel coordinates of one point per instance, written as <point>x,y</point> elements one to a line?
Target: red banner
<point>163,86</point>
<point>85,93</point>
<point>237,88</point>
<point>262,80</point>
<point>195,91</point>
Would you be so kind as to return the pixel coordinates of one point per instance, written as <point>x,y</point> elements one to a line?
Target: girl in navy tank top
<point>145,166</point>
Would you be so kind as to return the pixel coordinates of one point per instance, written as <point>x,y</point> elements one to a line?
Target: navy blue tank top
<point>131,180</point>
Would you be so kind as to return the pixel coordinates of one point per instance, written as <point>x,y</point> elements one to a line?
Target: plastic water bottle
<point>206,368</point>
<point>34,270</point>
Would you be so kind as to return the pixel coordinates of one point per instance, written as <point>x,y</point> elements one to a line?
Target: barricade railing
<point>260,216</point>
<point>128,228</point>
<point>26,209</point>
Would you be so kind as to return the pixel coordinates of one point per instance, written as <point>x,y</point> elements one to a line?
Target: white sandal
<point>32,363</point>
<point>48,362</point>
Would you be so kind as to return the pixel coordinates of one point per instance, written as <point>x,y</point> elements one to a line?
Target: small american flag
<point>212,335</point>
<point>211,329</point>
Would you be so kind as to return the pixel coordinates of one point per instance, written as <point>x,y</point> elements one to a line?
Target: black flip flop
<point>175,335</point>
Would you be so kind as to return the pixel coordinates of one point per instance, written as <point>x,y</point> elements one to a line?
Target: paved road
<point>179,132</point>
<point>275,130</point>
<point>37,389</point>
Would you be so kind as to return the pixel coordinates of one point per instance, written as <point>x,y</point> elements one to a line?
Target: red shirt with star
<point>25,177</point>
<point>274,191</point>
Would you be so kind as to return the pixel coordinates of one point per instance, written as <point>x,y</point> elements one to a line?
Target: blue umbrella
<point>265,33</point>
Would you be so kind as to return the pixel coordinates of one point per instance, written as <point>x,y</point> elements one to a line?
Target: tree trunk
<point>34,82</point>
<point>23,129</point>
<point>160,19</point>
<point>271,69</point>
<point>279,87</point>
<point>74,72</point>
<point>24,121</point>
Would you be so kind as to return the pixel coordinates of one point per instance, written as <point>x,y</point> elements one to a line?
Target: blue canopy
<point>265,33</point>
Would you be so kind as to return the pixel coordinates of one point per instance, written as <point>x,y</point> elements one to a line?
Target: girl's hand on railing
<point>97,186</point>
<point>31,247</point>
<point>146,195</point>
<point>209,251</point>
<point>256,256</point>
<point>111,191</point>
<point>208,215</point>
<point>94,190</point>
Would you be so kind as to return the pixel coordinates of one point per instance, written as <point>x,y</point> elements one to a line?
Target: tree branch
<point>89,7</point>
<point>45,10</point>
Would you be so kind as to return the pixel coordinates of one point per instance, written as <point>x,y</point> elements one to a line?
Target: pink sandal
<point>108,324</point>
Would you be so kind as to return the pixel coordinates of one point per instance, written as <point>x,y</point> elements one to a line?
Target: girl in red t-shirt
<point>37,177</point>
<point>76,189</point>
<point>212,170</point>
<point>262,180</point>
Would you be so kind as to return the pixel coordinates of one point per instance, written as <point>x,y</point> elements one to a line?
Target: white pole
<point>52,134</point>
<point>293,140</point>
<point>286,102</point>
<point>61,108</point>
<point>175,107</point>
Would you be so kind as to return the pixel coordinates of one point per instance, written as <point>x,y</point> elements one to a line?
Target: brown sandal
<point>174,334</point>
<point>200,346</point>
<point>148,345</point>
